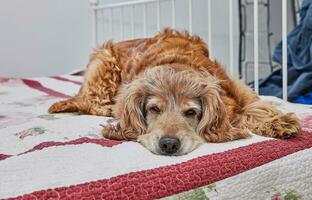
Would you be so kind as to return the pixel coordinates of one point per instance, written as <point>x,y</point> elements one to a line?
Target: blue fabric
<point>306,99</point>
<point>299,62</point>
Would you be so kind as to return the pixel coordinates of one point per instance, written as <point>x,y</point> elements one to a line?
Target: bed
<point>64,156</point>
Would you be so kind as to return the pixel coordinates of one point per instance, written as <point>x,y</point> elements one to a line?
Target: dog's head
<point>170,111</point>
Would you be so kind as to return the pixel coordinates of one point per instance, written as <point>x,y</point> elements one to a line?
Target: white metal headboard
<point>98,8</point>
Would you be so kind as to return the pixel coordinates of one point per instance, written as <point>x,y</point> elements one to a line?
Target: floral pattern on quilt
<point>285,195</point>
<point>211,192</point>
<point>56,116</point>
<point>48,117</point>
<point>30,132</point>
<point>202,193</point>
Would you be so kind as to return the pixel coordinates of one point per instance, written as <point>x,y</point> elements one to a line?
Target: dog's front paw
<point>55,108</point>
<point>112,131</point>
<point>64,106</point>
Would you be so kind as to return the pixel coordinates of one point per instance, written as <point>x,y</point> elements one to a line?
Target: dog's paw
<point>291,125</point>
<point>282,126</point>
<point>112,131</point>
<point>63,106</point>
<point>56,107</point>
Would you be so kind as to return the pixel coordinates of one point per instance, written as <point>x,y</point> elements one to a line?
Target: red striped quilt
<point>64,156</point>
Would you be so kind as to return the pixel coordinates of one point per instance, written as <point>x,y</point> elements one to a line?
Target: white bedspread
<point>64,156</point>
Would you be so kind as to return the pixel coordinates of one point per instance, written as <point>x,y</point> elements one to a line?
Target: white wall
<point>43,37</point>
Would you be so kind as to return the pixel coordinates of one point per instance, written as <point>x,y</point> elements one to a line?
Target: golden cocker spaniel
<point>170,97</point>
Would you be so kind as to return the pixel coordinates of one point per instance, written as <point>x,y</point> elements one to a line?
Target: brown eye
<point>190,113</point>
<point>154,109</point>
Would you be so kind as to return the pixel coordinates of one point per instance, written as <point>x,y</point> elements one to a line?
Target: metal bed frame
<point>98,8</point>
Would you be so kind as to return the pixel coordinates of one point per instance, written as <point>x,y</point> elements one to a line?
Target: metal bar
<point>132,21</point>
<point>209,26</point>
<point>231,37</point>
<point>94,4</point>
<point>173,12</point>
<point>158,15</point>
<point>111,23</point>
<point>284,48</point>
<point>144,20</point>
<point>123,4</point>
<point>101,25</point>
<point>190,16</point>
<point>121,24</point>
<point>94,28</point>
<point>256,47</point>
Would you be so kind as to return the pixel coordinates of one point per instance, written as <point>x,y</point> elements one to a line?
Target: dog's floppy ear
<point>213,109</point>
<point>130,109</point>
<point>214,125</point>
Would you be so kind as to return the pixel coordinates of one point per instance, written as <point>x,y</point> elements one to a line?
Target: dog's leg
<point>102,79</point>
<point>263,119</point>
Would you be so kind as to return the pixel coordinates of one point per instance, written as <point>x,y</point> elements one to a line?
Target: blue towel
<point>299,61</point>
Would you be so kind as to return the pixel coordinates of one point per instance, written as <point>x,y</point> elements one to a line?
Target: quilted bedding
<point>63,156</point>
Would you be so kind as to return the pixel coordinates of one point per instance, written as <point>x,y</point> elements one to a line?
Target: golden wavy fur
<point>170,97</point>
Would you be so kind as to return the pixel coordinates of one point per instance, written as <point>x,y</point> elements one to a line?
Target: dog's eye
<point>154,109</point>
<point>190,113</point>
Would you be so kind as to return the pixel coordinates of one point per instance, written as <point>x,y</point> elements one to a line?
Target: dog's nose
<point>169,145</point>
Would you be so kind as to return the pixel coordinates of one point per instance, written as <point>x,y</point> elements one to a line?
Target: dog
<point>171,97</point>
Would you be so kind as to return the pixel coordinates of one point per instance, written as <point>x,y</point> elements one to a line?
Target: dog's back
<point>168,47</point>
